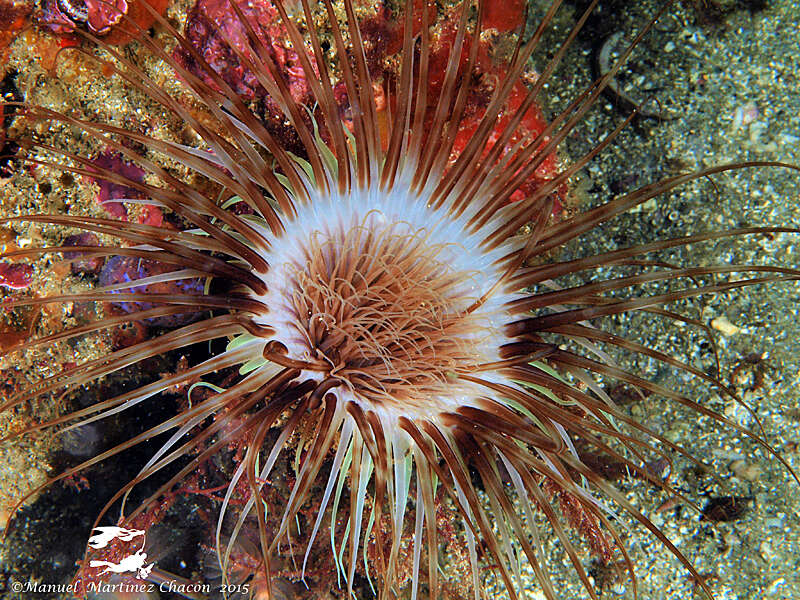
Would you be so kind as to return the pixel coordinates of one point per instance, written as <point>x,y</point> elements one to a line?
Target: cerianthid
<point>419,320</point>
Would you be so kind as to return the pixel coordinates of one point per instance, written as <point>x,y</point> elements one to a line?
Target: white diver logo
<point>133,563</point>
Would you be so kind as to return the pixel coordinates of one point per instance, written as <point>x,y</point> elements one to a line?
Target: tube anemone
<point>392,313</point>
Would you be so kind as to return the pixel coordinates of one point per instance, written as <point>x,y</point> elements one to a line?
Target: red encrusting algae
<point>16,276</point>
<point>505,15</point>
<point>487,71</point>
<point>384,33</point>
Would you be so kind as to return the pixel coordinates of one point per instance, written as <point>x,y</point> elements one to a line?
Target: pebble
<point>724,326</point>
<point>766,551</point>
<point>775,587</point>
<point>745,470</point>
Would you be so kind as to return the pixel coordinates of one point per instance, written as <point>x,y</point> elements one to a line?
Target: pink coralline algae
<point>116,20</point>
<point>103,15</point>
<point>16,276</point>
<point>212,26</point>
<point>99,16</point>
<point>110,191</point>
<point>212,23</point>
